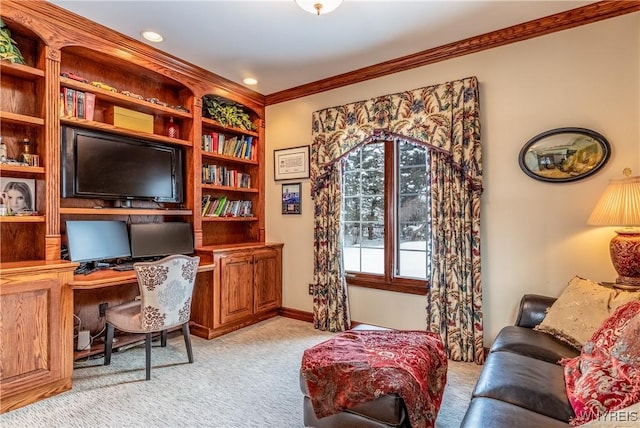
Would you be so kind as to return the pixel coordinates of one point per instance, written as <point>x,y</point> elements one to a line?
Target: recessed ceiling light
<point>152,36</point>
<point>250,81</point>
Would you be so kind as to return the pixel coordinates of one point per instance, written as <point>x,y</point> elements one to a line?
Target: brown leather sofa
<point>522,384</point>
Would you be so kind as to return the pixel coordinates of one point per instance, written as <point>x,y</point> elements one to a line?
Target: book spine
<point>89,105</point>
<point>80,104</point>
<point>69,102</point>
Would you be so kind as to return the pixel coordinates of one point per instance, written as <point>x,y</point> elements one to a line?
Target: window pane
<point>351,246</point>
<point>413,212</point>
<point>372,208</point>
<point>351,183</point>
<point>372,182</point>
<point>351,210</point>
<point>352,161</point>
<point>363,210</point>
<point>373,156</point>
<point>372,247</point>
<point>411,154</point>
<point>413,264</point>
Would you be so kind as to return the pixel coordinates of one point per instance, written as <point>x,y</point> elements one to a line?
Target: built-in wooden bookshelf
<point>32,245</point>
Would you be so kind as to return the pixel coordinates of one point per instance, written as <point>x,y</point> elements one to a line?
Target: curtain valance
<point>443,117</point>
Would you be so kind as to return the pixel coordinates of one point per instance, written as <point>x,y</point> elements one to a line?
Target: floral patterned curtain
<point>444,118</point>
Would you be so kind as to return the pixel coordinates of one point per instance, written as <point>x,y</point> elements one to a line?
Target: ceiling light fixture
<point>318,7</point>
<point>152,36</point>
<point>250,81</point>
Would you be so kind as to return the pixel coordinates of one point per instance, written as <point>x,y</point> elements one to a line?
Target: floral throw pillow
<point>606,375</point>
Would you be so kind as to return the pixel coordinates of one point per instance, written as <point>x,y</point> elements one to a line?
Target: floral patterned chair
<point>166,287</point>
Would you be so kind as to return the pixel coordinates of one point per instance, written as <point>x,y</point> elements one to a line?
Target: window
<point>385,216</point>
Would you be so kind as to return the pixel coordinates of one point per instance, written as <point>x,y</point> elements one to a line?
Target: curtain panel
<point>445,119</point>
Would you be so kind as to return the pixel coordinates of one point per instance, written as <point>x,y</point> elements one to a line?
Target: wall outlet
<point>84,340</point>
<point>102,308</point>
<point>310,289</point>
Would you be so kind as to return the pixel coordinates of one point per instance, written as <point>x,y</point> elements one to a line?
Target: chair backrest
<point>166,287</point>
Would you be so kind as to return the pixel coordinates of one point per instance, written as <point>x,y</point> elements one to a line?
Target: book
<point>206,201</point>
<point>89,105</point>
<point>221,205</point>
<point>221,142</point>
<point>214,141</point>
<point>69,102</point>
<point>80,105</point>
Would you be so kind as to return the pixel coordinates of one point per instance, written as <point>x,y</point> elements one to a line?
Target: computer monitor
<point>90,241</point>
<point>160,239</point>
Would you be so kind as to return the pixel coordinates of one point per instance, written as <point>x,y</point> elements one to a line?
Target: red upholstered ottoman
<point>374,378</point>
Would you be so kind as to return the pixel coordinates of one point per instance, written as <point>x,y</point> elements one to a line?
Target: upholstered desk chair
<point>166,287</point>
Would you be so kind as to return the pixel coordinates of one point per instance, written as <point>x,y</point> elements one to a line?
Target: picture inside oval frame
<point>564,154</point>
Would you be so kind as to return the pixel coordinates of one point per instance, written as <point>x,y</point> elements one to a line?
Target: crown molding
<point>561,21</point>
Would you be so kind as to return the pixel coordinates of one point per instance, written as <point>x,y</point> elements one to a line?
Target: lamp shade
<point>620,203</point>
<point>318,7</point>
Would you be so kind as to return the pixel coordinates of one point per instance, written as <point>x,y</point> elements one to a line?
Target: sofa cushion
<point>581,309</point>
<point>534,344</point>
<point>606,375</point>
<point>487,412</point>
<point>523,381</point>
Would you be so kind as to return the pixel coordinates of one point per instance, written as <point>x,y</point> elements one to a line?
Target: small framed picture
<point>18,195</point>
<point>291,163</point>
<point>292,198</point>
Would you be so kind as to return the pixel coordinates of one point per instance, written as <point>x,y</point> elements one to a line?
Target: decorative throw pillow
<point>605,377</point>
<point>578,312</point>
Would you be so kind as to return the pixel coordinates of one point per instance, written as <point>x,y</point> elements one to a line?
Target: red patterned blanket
<point>358,366</point>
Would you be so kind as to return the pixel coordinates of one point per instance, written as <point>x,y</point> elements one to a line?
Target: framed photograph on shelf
<point>291,163</point>
<point>18,195</point>
<point>292,198</point>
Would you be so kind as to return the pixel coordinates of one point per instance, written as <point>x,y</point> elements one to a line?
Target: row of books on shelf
<point>223,207</point>
<point>242,146</point>
<point>223,176</point>
<point>74,103</point>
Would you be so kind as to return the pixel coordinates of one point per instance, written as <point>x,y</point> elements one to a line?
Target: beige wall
<point>534,234</point>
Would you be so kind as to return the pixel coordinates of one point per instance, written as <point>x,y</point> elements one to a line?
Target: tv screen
<point>97,240</point>
<point>160,239</point>
<point>108,166</point>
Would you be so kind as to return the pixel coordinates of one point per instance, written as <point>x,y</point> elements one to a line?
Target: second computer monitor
<point>160,239</point>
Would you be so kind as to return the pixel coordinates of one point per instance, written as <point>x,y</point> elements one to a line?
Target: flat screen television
<point>108,166</point>
<point>90,241</point>
<point>160,239</point>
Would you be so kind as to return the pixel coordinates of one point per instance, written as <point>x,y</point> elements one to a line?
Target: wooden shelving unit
<point>30,107</point>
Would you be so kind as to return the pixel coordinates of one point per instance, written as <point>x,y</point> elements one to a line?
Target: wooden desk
<point>109,278</point>
<point>111,287</point>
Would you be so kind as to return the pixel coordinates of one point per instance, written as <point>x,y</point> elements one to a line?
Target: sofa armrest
<point>532,309</point>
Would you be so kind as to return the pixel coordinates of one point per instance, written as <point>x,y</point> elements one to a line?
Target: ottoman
<point>374,378</point>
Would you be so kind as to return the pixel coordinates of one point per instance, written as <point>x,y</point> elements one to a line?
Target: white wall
<point>534,234</point>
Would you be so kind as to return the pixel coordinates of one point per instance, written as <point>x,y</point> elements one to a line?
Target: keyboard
<point>123,267</point>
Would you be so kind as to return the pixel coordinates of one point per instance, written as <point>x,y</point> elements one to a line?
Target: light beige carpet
<point>248,378</point>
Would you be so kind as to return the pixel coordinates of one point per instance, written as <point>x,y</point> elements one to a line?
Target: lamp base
<point>625,256</point>
<point>623,286</point>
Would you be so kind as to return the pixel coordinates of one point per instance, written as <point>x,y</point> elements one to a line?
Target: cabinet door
<point>267,280</point>
<point>236,287</point>
<point>36,333</point>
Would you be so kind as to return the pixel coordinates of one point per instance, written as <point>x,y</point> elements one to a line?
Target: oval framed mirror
<point>564,154</point>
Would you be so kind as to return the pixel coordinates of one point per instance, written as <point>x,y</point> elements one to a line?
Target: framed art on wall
<point>564,154</point>
<point>291,163</point>
<point>18,195</point>
<point>292,198</point>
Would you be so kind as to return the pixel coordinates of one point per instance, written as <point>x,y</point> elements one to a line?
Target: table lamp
<point>620,206</point>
